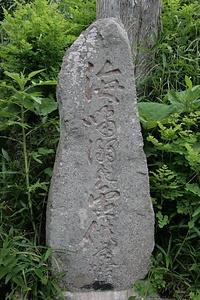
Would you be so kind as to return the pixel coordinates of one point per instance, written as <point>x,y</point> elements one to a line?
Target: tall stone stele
<point>99,213</point>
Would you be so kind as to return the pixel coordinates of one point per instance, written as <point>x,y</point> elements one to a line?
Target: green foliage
<point>185,101</point>
<point>35,38</point>
<point>169,113</point>
<point>177,102</point>
<point>24,267</point>
<point>173,153</point>
<point>24,102</point>
<point>37,34</point>
<point>176,50</point>
<point>24,185</point>
<point>79,14</point>
<point>10,5</point>
<point>151,113</point>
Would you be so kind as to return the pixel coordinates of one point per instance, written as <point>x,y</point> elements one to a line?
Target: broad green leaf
<point>191,224</point>
<point>19,268</point>
<point>196,230</point>
<point>36,156</point>
<point>31,93</point>
<point>174,100</point>
<point>49,82</point>
<point>41,275</point>
<point>194,266</point>
<point>196,212</point>
<point>11,262</point>
<point>19,281</point>
<point>48,171</point>
<point>5,154</point>
<point>18,123</point>
<point>196,147</point>
<point>16,78</point>
<point>11,110</point>
<point>3,271</point>
<point>29,104</point>
<point>188,82</point>
<point>47,106</point>
<point>36,99</point>
<point>150,124</point>
<point>164,60</point>
<point>8,277</point>
<point>185,101</point>
<point>44,151</point>
<point>10,87</point>
<point>41,185</point>
<point>3,167</point>
<point>151,113</point>
<point>47,254</point>
<point>32,74</point>
<point>193,188</point>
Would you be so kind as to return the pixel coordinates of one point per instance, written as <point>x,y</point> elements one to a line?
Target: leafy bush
<point>170,118</point>
<point>24,269</point>
<point>171,125</point>
<point>20,179</point>
<point>37,34</point>
<point>172,146</point>
<point>27,155</point>
<point>176,102</point>
<point>176,50</point>
<point>79,14</point>
<point>36,38</point>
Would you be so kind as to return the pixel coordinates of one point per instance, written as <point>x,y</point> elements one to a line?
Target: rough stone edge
<point>102,295</point>
<point>108,295</point>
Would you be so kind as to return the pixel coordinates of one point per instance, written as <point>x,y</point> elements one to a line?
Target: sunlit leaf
<point>49,82</point>
<point>188,82</point>
<point>48,171</point>
<point>32,74</point>
<point>16,78</point>
<point>44,151</point>
<point>47,106</point>
<point>36,99</point>
<point>18,123</point>
<point>47,254</point>
<point>196,212</point>
<point>41,275</point>
<point>151,113</point>
<point>5,154</point>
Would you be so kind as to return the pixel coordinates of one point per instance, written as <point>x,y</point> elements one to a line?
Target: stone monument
<point>99,212</point>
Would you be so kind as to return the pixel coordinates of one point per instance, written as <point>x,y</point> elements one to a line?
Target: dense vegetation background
<point>34,37</point>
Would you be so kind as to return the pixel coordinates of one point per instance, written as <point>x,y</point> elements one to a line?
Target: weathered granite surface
<point>106,295</point>
<point>99,208</point>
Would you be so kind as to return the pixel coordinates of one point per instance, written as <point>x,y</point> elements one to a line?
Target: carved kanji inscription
<point>99,215</point>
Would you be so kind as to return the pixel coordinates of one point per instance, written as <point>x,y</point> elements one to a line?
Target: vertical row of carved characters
<point>104,87</point>
<point>88,87</point>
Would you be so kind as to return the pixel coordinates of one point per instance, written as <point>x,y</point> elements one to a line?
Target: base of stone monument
<point>101,295</point>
